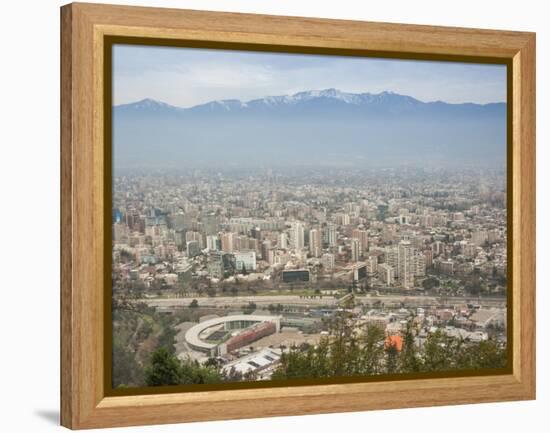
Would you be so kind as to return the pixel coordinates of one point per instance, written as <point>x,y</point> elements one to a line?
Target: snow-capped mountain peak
<point>300,126</point>
<point>349,98</point>
<point>327,98</point>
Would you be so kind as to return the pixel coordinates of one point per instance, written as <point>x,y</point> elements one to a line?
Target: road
<point>296,300</point>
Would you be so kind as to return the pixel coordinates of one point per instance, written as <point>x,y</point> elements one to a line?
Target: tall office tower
<point>227,242</point>
<point>363,238</point>
<point>283,241</point>
<point>331,235</point>
<point>355,250</point>
<point>328,261</point>
<point>406,264</point>
<point>297,235</point>
<point>315,245</point>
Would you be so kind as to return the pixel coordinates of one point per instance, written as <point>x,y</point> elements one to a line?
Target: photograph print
<point>295,217</point>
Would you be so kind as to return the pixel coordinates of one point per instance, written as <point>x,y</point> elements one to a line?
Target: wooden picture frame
<point>85,402</point>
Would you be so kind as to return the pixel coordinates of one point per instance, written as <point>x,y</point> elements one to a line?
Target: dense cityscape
<point>231,274</point>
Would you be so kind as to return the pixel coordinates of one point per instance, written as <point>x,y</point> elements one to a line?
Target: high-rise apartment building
<point>283,241</point>
<point>297,235</point>
<point>212,242</point>
<point>386,273</point>
<point>331,235</point>
<point>227,242</point>
<point>355,250</point>
<point>372,264</point>
<point>406,264</point>
<point>363,238</point>
<point>315,242</point>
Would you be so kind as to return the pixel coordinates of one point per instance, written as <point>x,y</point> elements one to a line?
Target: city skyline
<point>238,274</point>
<point>314,234</point>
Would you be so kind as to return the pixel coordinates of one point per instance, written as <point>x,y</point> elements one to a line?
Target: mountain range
<point>310,127</point>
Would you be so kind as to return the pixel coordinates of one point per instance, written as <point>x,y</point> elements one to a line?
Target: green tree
<point>373,350</point>
<point>167,337</point>
<point>485,354</point>
<point>250,308</point>
<point>167,369</point>
<point>344,353</point>
<point>430,283</point>
<point>194,303</point>
<point>391,358</point>
<point>489,354</point>
<point>441,352</point>
<point>409,361</point>
<point>126,370</point>
<point>164,369</point>
<point>191,372</point>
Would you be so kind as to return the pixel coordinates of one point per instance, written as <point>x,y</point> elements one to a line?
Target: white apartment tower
<point>406,264</point>
<point>355,249</point>
<point>297,235</point>
<point>331,235</point>
<point>283,241</point>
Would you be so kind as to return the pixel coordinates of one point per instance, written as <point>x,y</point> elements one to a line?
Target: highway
<point>296,300</point>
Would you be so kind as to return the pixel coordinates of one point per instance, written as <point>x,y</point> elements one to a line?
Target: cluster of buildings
<point>238,341</point>
<point>311,241</point>
<point>379,228</point>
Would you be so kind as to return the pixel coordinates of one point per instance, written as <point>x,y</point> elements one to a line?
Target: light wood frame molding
<point>84,403</point>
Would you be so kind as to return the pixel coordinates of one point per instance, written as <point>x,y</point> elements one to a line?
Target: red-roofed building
<point>394,340</point>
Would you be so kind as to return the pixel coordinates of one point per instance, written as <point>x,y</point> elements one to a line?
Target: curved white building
<point>238,321</point>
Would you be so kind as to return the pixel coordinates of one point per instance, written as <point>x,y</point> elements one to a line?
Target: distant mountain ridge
<point>308,127</point>
<point>333,95</point>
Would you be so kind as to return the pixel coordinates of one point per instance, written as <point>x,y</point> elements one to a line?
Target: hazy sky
<point>185,76</point>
